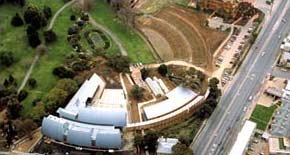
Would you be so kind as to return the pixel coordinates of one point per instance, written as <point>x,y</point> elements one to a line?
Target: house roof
<point>177,98</point>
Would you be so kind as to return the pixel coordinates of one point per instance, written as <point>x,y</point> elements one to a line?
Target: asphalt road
<point>222,128</point>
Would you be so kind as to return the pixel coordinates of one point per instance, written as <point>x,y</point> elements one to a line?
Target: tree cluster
<point>137,92</point>
<point>245,10</point>
<point>10,99</point>
<point>212,99</point>
<point>16,2</point>
<point>36,20</point>
<point>119,63</point>
<point>73,32</point>
<point>57,96</point>
<point>147,142</point>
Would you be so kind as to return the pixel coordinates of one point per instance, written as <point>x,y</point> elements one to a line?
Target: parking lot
<point>232,53</point>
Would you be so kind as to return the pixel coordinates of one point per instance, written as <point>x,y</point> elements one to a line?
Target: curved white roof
<point>103,116</point>
<point>81,134</point>
<point>177,98</point>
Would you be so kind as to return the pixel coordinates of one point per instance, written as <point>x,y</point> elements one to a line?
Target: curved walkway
<point>111,34</point>
<point>28,73</point>
<point>179,63</point>
<point>58,13</point>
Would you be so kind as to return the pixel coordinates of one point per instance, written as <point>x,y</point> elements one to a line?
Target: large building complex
<point>87,121</point>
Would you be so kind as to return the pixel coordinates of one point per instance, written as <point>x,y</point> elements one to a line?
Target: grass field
<point>262,115</point>
<point>135,46</point>
<point>187,128</point>
<point>24,53</point>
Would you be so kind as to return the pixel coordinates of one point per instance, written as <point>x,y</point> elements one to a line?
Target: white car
<point>250,98</point>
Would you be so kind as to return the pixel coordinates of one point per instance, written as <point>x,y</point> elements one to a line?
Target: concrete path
<point>179,63</point>
<point>28,73</point>
<point>111,34</point>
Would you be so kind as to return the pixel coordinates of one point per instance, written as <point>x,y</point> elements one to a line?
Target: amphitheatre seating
<point>198,50</point>
<point>177,98</point>
<point>175,40</point>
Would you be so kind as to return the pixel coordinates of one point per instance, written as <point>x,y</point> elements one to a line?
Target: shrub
<point>63,72</point>
<point>162,70</point>
<point>22,95</point>
<point>119,63</point>
<point>17,20</point>
<point>6,58</point>
<point>73,18</point>
<point>34,40</point>
<point>137,92</point>
<point>32,82</point>
<point>49,36</point>
<point>47,12</point>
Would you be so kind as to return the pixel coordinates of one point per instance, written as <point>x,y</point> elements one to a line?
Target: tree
<point>245,10</point>
<point>30,30</point>
<point>119,63</point>
<point>181,149</point>
<point>32,16</point>
<point>6,58</point>
<point>150,140</point>
<point>34,40</point>
<point>38,112</point>
<point>68,85</point>
<point>49,36</point>
<point>17,20</point>
<point>144,73</point>
<point>32,82</point>
<point>163,70</point>
<point>47,12</point>
<point>184,140</point>
<point>13,107</point>
<point>213,82</point>
<point>137,92</point>
<point>73,18</point>
<point>24,127</point>
<point>138,142</point>
<point>55,98</point>
<point>63,72</point>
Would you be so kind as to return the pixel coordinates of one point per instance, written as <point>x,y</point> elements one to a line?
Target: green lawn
<point>57,52</point>
<point>187,128</point>
<point>136,47</point>
<point>24,54</point>
<point>262,115</point>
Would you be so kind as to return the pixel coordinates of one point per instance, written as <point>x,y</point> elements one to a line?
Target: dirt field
<point>179,34</point>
